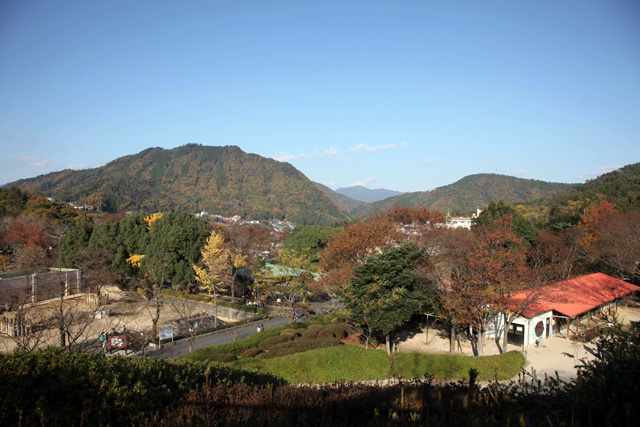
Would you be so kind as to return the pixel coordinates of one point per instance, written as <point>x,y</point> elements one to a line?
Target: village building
<point>575,308</point>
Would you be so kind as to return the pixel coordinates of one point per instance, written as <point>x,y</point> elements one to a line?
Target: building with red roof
<point>574,308</point>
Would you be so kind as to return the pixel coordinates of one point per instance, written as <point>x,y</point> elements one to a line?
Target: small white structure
<point>459,221</point>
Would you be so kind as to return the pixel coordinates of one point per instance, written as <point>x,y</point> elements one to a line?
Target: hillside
<point>367,195</point>
<point>219,180</point>
<point>620,187</point>
<point>470,193</point>
<point>345,202</point>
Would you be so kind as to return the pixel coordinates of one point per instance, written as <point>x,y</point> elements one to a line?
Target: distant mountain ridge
<point>470,193</point>
<point>367,195</point>
<point>345,202</point>
<point>219,180</point>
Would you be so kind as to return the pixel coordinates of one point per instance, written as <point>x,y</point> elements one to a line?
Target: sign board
<point>116,342</point>
<point>167,334</point>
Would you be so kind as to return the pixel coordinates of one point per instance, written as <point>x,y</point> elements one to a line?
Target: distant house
<point>459,221</point>
<point>572,308</point>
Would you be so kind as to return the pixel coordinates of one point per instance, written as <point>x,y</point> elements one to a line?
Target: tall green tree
<point>77,238</point>
<point>521,226</point>
<point>384,293</point>
<point>179,237</point>
<point>310,240</point>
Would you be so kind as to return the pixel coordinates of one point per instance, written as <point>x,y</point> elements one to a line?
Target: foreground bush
<point>54,387</point>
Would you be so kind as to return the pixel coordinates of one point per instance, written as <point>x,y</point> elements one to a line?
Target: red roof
<point>577,295</point>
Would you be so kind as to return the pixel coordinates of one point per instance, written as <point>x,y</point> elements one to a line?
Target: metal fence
<point>35,286</point>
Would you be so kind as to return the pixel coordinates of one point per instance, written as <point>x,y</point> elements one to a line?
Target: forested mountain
<point>620,187</point>
<point>470,193</point>
<point>360,193</point>
<point>219,180</point>
<point>345,202</point>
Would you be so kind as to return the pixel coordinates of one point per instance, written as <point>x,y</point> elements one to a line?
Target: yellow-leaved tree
<point>287,280</point>
<point>217,273</point>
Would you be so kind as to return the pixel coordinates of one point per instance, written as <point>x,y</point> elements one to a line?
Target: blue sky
<point>404,95</point>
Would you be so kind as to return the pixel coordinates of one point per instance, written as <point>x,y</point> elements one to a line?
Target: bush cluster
<point>269,342</point>
<point>298,346</point>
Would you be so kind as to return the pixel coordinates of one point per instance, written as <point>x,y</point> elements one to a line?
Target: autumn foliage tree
<point>351,247</point>
<point>616,243</point>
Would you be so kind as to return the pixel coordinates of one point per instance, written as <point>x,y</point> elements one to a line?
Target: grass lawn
<point>346,362</point>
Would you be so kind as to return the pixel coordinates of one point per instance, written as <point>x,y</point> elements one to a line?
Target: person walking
<point>103,340</point>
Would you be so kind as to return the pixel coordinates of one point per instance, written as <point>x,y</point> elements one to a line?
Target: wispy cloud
<point>364,148</point>
<point>286,157</point>
<point>370,180</point>
<point>522,172</point>
<point>601,170</point>
<point>78,166</point>
<point>489,157</point>
<point>15,136</point>
<point>426,162</point>
<point>33,162</point>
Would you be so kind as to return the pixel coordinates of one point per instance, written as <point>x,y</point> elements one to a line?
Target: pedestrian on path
<point>103,340</point>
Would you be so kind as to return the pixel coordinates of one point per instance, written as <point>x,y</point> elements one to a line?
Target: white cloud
<point>285,157</point>
<point>601,170</point>
<point>78,166</point>
<point>33,162</point>
<point>489,157</point>
<point>370,180</point>
<point>363,148</point>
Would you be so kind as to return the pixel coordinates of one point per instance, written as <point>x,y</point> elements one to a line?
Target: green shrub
<point>315,327</point>
<point>271,341</point>
<point>300,331</point>
<point>337,363</point>
<point>55,387</point>
<point>339,330</point>
<point>298,346</point>
<point>309,335</point>
<point>223,357</point>
<point>289,332</point>
<point>453,366</point>
<point>252,352</point>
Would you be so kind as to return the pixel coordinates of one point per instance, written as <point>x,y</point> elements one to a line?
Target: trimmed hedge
<point>252,352</point>
<point>452,366</point>
<point>309,335</point>
<point>271,341</point>
<point>223,357</point>
<point>298,346</point>
<point>340,330</point>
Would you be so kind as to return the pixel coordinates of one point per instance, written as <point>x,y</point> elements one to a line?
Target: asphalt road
<point>181,347</point>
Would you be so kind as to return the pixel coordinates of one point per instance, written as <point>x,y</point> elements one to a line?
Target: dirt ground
<point>548,359</point>
<point>123,310</point>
